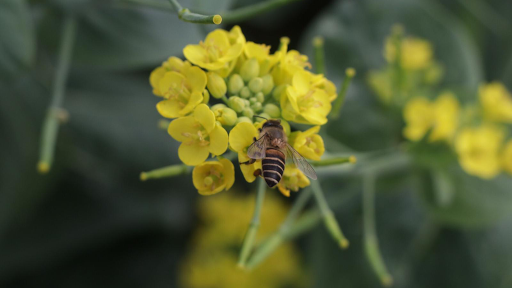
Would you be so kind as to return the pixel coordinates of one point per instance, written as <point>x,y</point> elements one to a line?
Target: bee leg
<point>247,162</point>
<point>257,172</point>
<point>254,139</point>
<point>259,130</point>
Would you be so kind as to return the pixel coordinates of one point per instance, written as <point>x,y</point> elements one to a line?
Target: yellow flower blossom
<point>218,49</point>
<point>293,179</point>
<point>172,64</point>
<point>496,102</point>
<point>182,91</point>
<point>308,143</point>
<point>240,138</point>
<point>303,103</point>
<point>213,176</point>
<point>506,157</point>
<point>415,53</point>
<point>445,117</point>
<point>478,150</point>
<point>200,135</point>
<point>418,118</point>
<point>289,63</point>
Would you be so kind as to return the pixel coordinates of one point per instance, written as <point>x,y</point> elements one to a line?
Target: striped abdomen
<point>273,166</point>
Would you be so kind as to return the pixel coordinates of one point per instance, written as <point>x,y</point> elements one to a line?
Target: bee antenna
<point>260,117</point>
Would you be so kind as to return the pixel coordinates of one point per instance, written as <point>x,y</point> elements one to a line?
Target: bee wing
<point>258,148</point>
<point>300,162</point>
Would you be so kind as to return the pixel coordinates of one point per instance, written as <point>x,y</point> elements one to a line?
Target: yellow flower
<point>289,63</point>
<point>218,49</point>
<point>293,179</point>
<point>478,150</point>
<point>418,118</point>
<point>303,103</point>
<point>507,157</point>
<point>308,143</point>
<point>213,176</point>
<point>445,117</point>
<point>240,138</point>
<point>496,102</point>
<point>182,91</point>
<point>200,135</point>
<point>172,64</point>
<point>261,52</point>
<point>415,53</point>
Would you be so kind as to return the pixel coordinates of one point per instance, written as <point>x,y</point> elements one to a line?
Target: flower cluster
<point>224,82</point>
<point>475,132</point>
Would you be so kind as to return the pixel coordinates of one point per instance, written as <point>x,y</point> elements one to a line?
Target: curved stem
<point>187,16</point>
<point>349,74</point>
<point>250,236</point>
<point>251,11</point>
<point>51,123</point>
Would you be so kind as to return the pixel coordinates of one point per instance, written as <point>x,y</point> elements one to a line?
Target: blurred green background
<point>91,222</point>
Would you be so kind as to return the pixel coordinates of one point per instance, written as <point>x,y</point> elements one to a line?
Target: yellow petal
<point>154,79</point>
<point>219,38</point>
<point>179,128</point>
<point>169,108</point>
<point>229,173</point>
<point>241,136</point>
<point>218,140</point>
<point>195,54</point>
<point>232,53</point>
<point>196,78</point>
<point>205,116</point>
<point>192,155</point>
<point>283,190</point>
<point>301,82</point>
<point>170,79</point>
<point>195,99</point>
<point>290,99</point>
<point>248,170</point>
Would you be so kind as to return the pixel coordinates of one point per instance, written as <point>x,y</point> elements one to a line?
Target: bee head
<point>273,123</point>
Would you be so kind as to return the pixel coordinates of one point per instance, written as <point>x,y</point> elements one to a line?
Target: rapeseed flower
<point>240,138</point>
<point>293,179</point>
<point>213,176</point>
<point>496,102</point>
<point>415,53</point>
<point>308,143</point>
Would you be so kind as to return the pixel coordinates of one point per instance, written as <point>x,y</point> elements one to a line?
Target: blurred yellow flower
<point>496,102</point>
<point>213,176</point>
<point>200,135</point>
<point>182,91</point>
<point>308,143</point>
<point>293,179</point>
<point>218,49</point>
<point>506,157</point>
<point>172,64</point>
<point>418,118</point>
<point>415,53</point>
<point>303,103</point>
<point>240,138</point>
<point>445,117</point>
<point>478,150</point>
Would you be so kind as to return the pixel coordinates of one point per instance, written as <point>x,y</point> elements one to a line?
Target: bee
<point>273,148</point>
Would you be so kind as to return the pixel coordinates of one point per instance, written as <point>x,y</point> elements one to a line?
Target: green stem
<point>50,127</point>
<point>273,242</point>
<point>318,44</point>
<point>225,99</point>
<point>328,216</point>
<point>250,236</point>
<point>334,161</point>
<point>370,236</point>
<point>187,16</point>
<point>338,104</point>
<point>168,171</point>
<point>254,10</point>
<point>158,5</point>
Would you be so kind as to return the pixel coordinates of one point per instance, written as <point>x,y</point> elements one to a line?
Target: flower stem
<point>50,127</point>
<point>370,236</point>
<point>329,220</point>
<point>273,242</point>
<point>338,104</point>
<point>334,161</point>
<point>169,171</point>
<point>185,15</point>
<point>251,11</point>
<point>318,44</point>
<point>250,236</point>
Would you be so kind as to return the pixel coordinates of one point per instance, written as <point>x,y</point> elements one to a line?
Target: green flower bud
<point>243,119</point>
<point>250,69</point>
<point>256,84</point>
<point>260,97</point>
<point>216,85</point>
<point>247,102</point>
<point>272,110</point>
<point>253,100</point>
<point>264,115</point>
<point>256,106</point>
<point>268,84</point>
<point>248,112</point>
<point>237,103</point>
<point>278,91</point>
<point>245,92</point>
<point>227,116</point>
<point>236,83</point>
<point>206,96</point>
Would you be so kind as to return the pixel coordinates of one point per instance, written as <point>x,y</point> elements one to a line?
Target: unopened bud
<point>250,69</point>
<point>243,119</point>
<point>216,85</point>
<point>236,103</point>
<point>260,97</point>
<point>256,84</point>
<point>256,106</point>
<point>253,100</point>
<point>278,92</point>
<point>248,112</point>
<point>272,110</point>
<point>268,84</point>
<point>236,83</point>
<point>264,115</point>
<point>206,96</point>
<point>227,116</point>
<point>245,92</point>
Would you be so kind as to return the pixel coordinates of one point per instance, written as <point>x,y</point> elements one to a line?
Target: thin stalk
<point>185,15</point>
<point>252,11</point>
<point>328,216</point>
<point>168,171</point>
<point>371,242</point>
<point>318,44</point>
<point>334,161</point>
<point>250,236</point>
<point>50,127</point>
<point>338,103</point>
